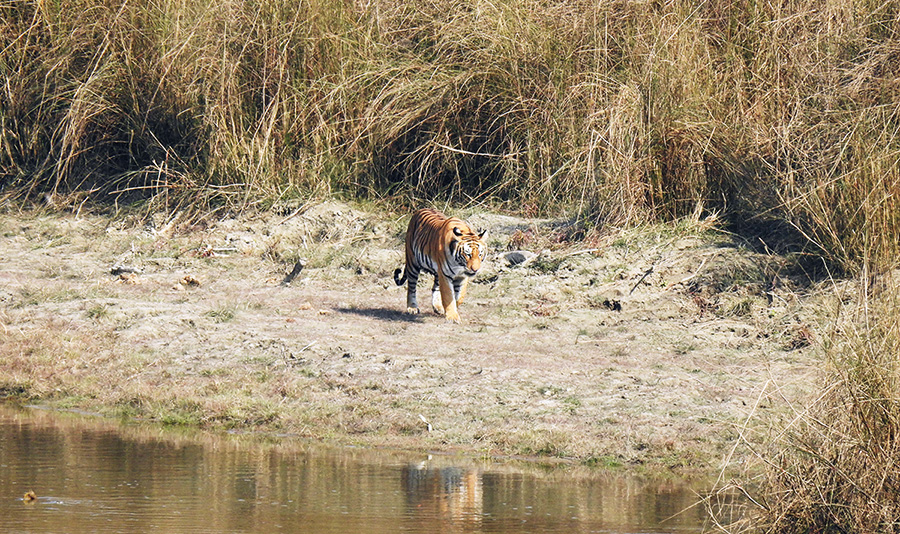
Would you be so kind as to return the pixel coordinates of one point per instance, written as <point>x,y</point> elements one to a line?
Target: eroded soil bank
<point>657,346</point>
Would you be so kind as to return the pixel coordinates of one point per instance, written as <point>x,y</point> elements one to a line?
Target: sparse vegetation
<point>537,369</point>
<point>97,312</point>
<point>221,315</point>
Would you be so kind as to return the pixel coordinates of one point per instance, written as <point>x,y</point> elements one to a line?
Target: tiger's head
<point>468,249</point>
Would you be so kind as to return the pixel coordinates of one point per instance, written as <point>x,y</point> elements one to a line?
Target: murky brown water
<point>93,475</point>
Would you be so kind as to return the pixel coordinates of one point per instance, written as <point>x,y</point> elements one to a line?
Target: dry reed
<point>834,466</point>
<point>779,116</point>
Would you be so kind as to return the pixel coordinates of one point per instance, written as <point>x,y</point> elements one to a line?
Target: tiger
<point>447,248</point>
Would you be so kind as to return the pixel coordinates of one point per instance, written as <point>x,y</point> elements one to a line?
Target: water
<point>93,475</point>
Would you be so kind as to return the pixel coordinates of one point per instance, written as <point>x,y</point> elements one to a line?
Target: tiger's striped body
<point>447,248</point>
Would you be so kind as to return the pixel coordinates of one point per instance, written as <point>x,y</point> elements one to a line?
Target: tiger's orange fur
<point>447,248</point>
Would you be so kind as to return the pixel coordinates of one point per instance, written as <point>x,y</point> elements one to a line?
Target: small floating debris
<point>29,496</point>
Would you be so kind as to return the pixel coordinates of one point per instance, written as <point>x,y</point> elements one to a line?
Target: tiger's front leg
<point>448,299</point>
<point>460,289</point>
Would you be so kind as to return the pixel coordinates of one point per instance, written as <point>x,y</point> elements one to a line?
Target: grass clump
<point>222,314</point>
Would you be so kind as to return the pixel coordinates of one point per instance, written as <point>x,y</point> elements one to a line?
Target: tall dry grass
<point>782,116</point>
<point>834,466</point>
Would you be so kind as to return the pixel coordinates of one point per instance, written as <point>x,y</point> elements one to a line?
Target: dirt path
<point>649,346</point>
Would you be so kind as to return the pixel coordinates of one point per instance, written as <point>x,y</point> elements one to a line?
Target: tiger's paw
<point>453,317</point>
<point>436,303</point>
<point>412,311</point>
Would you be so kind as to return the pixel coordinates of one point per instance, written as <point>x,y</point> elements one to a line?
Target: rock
<point>518,258</point>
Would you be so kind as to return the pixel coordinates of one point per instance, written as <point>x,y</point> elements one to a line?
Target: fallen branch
<point>646,274</point>
<point>583,251</point>
<point>293,274</point>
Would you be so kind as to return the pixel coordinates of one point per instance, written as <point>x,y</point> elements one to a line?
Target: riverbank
<point>651,348</point>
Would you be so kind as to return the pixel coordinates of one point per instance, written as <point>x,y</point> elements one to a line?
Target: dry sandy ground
<point>657,346</point>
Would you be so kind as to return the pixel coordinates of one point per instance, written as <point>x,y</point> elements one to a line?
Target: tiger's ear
<point>457,232</point>
<point>483,233</point>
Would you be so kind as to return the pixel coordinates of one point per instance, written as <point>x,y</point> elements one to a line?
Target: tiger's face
<point>469,250</point>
